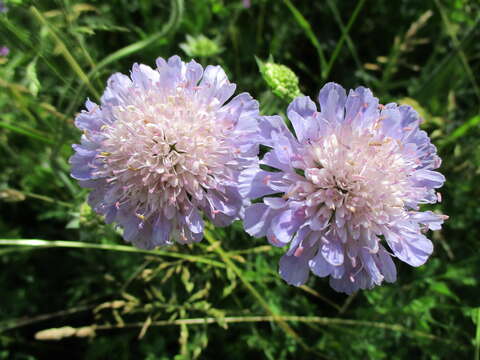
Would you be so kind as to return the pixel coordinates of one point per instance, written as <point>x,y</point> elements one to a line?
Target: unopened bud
<point>282,80</point>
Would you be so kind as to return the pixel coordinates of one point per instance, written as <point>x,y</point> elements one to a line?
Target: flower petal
<point>332,102</point>
<point>301,112</point>
<point>294,270</point>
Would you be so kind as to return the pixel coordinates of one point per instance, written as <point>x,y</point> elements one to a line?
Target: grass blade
<point>460,131</point>
<point>27,132</point>
<point>65,52</point>
<point>37,243</point>
<point>350,44</point>
<point>456,43</point>
<point>344,36</point>
<point>305,25</point>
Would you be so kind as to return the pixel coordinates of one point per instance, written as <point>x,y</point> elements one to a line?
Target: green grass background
<point>223,298</point>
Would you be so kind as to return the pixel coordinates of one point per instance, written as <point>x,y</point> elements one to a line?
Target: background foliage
<point>225,299</point>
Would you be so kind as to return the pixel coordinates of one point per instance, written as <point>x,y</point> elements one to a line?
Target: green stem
<point>46,199</point>
<point>37,243</point>
<point>259,319</point>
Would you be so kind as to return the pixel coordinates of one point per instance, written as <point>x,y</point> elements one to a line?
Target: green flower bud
<point>282,80</point>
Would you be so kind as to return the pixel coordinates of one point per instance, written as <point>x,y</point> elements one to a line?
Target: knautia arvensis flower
<point>164,147</point>
<point>3,7</point>
<point>345,191</point>
<point>4,51</point>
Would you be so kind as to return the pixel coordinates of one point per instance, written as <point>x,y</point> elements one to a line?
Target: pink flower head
<point>164,147</point>
<point>348,187</point>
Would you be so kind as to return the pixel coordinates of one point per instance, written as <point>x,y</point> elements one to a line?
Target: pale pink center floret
<point>165,150</point>
<point>358,180</point>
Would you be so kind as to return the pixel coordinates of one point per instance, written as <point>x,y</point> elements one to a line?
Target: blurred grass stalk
<point>65,52</point>
<point>37,243</point>
<point>67,331</point>
<point>13,195</point>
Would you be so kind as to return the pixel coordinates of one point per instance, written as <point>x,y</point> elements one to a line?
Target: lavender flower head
<point>4,51</point>
<point>3,7</point>
<point>164,147</point>
<point>351,182</point>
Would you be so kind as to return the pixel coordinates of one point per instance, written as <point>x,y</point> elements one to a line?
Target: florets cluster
<point>344,192</point>
<point>164,147</point>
